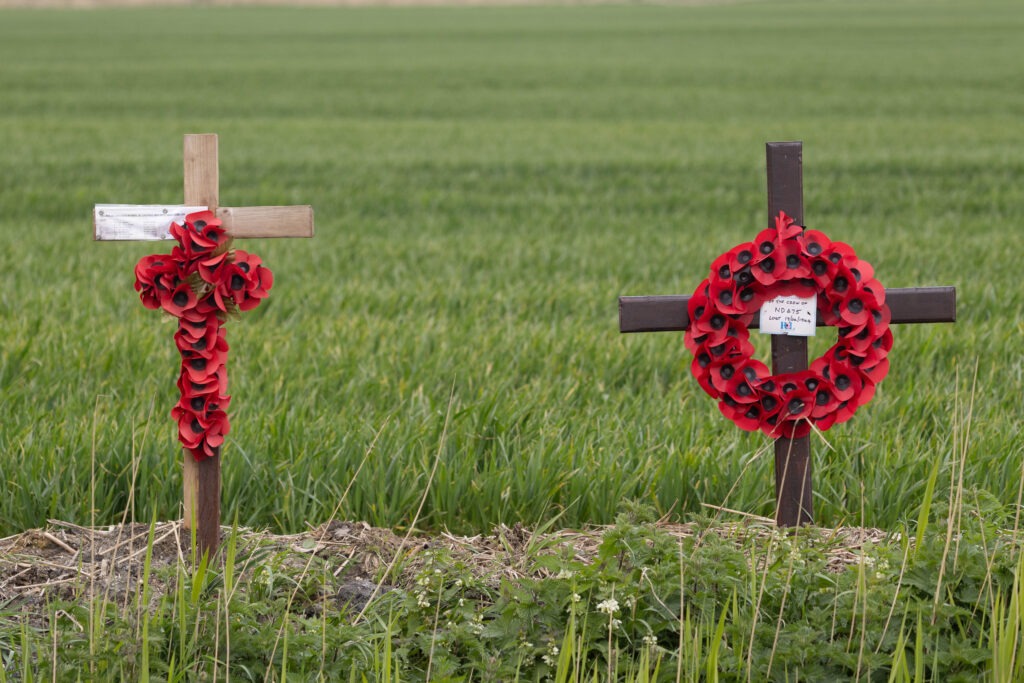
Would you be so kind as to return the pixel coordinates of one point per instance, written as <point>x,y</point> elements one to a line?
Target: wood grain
<point>267,221</point>
<point>201,174</point>
<point>784,162</point>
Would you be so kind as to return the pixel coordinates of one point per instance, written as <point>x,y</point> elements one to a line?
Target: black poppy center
<point>199,345</point>
<point>767,247</point>
<point>180,299</point>
<point>856,306</point>
<point>744,389</point>
<point>795,406</point>
<point>744,256</point>
<point>244,267</point>
<point>842,382</point>
<point>727,371</point>
<point>703,360</point>
<point>198,363</point>
<point>769,403</point>
<point>814,249</point>
<point>841,284</point>
<point>822,398</point>
<point>199,225</point>
<point>724,272</point>
<point>197,403</point>
<point>768,265</point>
<point>819,267</point>
<point>725,297</point>
<point>717,322</point>
<point>792,261</point>
<point>237,282</point>
<point>196,427</point>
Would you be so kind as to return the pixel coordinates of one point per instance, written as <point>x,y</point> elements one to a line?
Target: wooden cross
<point>789,354</point>
<point>202,478</point>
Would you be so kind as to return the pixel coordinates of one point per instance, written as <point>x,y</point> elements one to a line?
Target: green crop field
<point>487,181</point>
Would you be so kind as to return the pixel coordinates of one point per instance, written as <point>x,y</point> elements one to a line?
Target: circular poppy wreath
<point>789,261</point>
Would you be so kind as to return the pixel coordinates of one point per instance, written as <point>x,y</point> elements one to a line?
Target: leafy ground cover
<point>487,181</point>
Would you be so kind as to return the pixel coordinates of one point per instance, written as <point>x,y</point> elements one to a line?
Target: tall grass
<point>486,182</point>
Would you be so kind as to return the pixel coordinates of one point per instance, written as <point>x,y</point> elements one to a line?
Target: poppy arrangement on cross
<point>203,282</point>
<point>789,261</point>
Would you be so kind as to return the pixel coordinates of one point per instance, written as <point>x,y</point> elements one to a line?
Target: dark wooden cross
<point>202,479</point>
<point>789,354</point>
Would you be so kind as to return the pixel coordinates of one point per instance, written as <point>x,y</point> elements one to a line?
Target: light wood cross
<point>793,493</point>
<point>111,222</point>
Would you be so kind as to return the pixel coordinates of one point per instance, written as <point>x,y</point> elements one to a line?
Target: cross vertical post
<point>201,478</point>
<point>794,505</point>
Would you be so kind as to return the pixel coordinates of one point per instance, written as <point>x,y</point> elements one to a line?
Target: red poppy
<point>740,256</point>
<point>210,267</point>
<point>206,229</point>
<point>785,227</point>
<point>249,282</point>
<point>155,277</point>
<point>792,261</point>
<point>179,300</point>
<point>764,245</point>
<point>815,243</point>
<point>200,367</point>
<point>217,384</point>
<point>876,373</point>
<point>725,297</point>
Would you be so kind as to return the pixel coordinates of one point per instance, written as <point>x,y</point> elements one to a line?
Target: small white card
<point>138,221</point>
<point>790,315</point>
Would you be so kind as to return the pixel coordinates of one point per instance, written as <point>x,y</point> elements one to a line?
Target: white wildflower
<point>609,606</point>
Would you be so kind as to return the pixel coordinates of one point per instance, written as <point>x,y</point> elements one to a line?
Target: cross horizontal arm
<point>267,221</point>
<point>668,313</point>
<point>114,222</point>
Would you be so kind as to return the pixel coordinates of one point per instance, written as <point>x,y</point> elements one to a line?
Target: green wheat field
<point>487,182</point>
<point>444,356</point>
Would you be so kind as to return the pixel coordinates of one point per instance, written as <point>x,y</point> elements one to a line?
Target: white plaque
<point>138,221</point>
<point>790,315</point>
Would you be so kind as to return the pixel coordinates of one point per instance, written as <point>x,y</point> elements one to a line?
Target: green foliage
<point>726,603</point>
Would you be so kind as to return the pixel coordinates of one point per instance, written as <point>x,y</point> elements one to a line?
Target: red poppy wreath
<point>202,282</point>
<point>789,261</point>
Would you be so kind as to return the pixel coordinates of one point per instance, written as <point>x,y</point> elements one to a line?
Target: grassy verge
<point>634,602</point>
